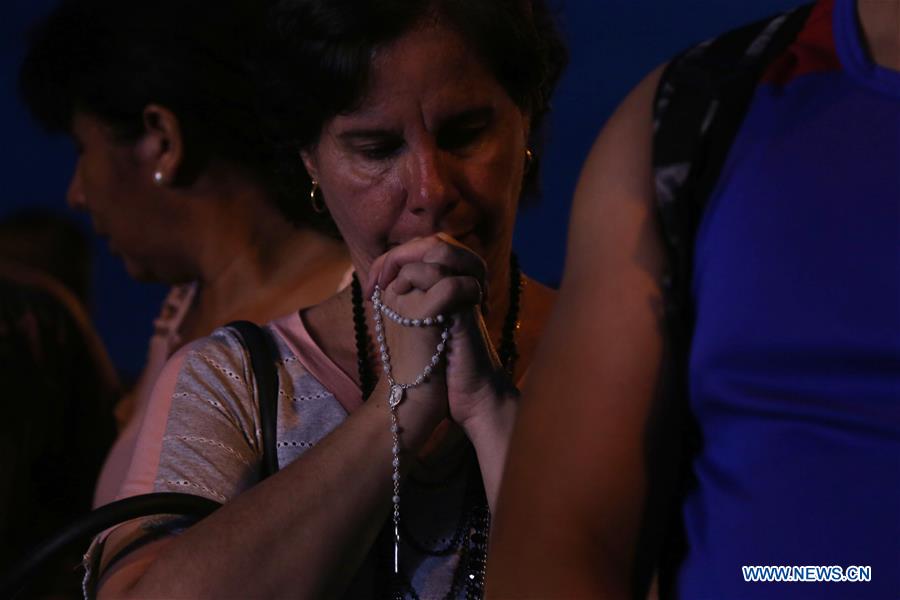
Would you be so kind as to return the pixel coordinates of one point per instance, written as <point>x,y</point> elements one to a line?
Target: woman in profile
<point>175,172</point>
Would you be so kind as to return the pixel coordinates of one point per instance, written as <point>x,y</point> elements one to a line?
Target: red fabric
<point>812,52</point>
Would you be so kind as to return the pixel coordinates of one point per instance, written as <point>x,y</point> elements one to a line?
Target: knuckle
<point>442,253</point>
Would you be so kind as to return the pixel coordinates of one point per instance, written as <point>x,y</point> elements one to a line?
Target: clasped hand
<point>426,277</point>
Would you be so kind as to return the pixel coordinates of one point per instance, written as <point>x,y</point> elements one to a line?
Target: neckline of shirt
<point>851,51</point>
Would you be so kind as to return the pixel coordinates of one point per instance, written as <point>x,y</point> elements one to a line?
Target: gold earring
<point>318,206</point>
<point>529,159</point>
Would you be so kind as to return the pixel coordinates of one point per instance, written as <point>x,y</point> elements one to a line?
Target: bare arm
<point>571,502</point>
<point>304,531</point>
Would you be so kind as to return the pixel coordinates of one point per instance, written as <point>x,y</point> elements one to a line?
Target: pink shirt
<point>292,332</point>
<point>163,342</point>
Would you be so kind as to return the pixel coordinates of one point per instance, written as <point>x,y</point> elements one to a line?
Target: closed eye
<point>465,129</point>
<point>459,138</point>
<point>372,144</point>
<point>378,150</point>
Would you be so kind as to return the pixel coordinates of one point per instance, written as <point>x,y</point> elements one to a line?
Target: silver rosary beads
<point>397,391</point>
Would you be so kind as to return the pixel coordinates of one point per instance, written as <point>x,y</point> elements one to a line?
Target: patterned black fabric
<point>700,104</point>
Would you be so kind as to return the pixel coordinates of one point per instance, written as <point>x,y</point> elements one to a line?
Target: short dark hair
<point>321,52</point>
<point>111,58</point>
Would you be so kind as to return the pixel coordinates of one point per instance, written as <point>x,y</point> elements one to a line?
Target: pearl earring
<point>158,178</point>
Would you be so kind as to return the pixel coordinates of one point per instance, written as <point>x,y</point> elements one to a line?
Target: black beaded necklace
<point>472,530</point>
<point>367,379</point>
<point>507,351</point>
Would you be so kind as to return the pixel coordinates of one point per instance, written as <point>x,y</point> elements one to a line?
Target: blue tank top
<point>795,362</point>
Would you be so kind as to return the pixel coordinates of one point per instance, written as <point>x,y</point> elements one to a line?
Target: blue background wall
<point>613,44</point>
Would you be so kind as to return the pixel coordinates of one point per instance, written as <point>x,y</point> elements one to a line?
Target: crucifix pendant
<point>396,396</point>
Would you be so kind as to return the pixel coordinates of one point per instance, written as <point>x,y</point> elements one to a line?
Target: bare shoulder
<point>619,166</point>
<point>613,220</point>
<point>630,128</point>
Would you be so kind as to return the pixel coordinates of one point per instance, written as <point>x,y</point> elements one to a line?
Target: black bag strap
<point>260,346</point>
<point>701,101</point>
<point>13,580</point>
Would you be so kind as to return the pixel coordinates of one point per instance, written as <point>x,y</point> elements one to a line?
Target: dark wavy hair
<point>111,58</point>
<point>319,54</point>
